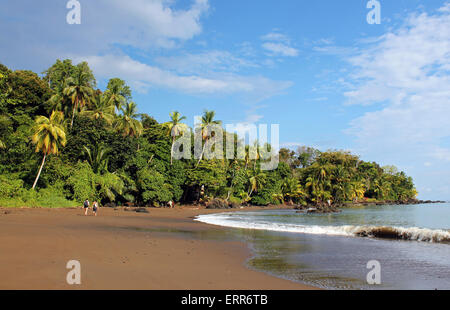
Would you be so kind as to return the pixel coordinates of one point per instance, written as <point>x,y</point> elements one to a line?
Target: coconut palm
<point>100,108</point>
<point>256,182</point>
<point>357,190</point>
<point>175,128</point>
<point>49,136</point>
<point>207,122</point>
<point>59,102</point>
<point>127,123</point>
<point>117,92</point>
<point>291,189</point>
<point>79,90</point>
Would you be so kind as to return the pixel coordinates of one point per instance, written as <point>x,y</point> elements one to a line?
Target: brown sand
<point>119,249</point>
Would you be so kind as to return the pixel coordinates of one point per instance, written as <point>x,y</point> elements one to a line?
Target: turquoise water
<point>412,244</point>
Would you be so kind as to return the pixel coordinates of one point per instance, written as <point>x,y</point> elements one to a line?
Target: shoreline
<point>162,249</point>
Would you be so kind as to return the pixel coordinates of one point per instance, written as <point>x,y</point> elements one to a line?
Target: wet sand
<point>162,249</point>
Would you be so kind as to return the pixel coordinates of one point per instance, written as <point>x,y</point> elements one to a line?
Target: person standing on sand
<point>95,207</point>
<point>86,206</point>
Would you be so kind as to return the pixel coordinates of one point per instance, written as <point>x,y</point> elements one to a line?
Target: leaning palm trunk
<point>231,187</point>
<point>203,151</point>
<point>40,170</point>
<point>73,113</point>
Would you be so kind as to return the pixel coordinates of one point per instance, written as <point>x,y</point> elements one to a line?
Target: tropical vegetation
<point>62,140</point>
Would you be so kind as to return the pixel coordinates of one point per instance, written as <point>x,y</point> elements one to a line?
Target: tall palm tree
<point>175,128</point>
<point>49,136</point>
<point>79,90</point>
<point>127,123</point>
<point>207,121</point>
<point>114,93</point>
<point>100,108</point>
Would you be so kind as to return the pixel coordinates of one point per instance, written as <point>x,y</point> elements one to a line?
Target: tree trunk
<point>40,170</point>
<point>171,151</point>
<point>203,151</point>
<point>73,113</point>
<point>231,187</point>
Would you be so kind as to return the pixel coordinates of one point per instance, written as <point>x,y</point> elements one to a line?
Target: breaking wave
<point>385,232</point>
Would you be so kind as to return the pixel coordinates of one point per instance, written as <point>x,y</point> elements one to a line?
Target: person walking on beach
<point>95,207</point>
<point>86,206</point>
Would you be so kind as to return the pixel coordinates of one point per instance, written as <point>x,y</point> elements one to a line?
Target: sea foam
<point>386,232</point>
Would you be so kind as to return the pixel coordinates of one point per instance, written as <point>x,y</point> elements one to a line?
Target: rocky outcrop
<point>221,204</point>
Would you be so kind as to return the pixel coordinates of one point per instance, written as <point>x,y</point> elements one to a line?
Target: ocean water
<point>411,243</point>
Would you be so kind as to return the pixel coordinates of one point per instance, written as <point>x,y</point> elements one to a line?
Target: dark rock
<point>234,205</point>
<point>142,210</point>
<point>217,204</point>
<point>110,205</point>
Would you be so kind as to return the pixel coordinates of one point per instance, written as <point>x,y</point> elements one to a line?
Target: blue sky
<point>317,68</point>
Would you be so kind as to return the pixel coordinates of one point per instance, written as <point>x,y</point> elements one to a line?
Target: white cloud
<point>278,44</point>
<point>280,49</point>
<point>274,36</point>
<point>205,62</point>
<point>158,18</point>
<point>37,32</point>
<point>144,76</point>
<point>34,34</point>
<point>405,73</point>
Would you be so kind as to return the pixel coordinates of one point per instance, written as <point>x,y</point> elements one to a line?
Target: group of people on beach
<point>86,205</point>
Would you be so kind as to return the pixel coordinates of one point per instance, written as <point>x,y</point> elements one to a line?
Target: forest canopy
<point>63,140</point>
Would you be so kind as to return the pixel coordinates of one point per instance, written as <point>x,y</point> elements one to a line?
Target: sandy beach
<point>162,249</point>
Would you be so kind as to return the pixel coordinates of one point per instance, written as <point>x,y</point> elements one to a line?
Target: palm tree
<point>357,190</point>
<point>127,123</point>
<point>207,121</point>
<point>59,102</point>
<point>97,158</point>
<point>247,156</point>
<point>291,189</point>
<point>256,155</point>
<point>114,94</point>
<point>175,128</point>
<point>79,90</point>
<point>256,182</point>
<point>100,108</point>
<point>49,136</point>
